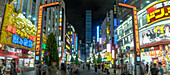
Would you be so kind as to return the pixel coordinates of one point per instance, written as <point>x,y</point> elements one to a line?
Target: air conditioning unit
<point>5,48</point>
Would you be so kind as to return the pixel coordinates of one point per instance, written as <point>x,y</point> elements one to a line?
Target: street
<point>85,71</point>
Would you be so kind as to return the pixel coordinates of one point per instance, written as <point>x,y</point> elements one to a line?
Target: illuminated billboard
<point>17,30</point>
<point>73,39</point>
<point>97,34</point>
<point>158,11</point>
<point>155,33</point>
<point>108,48</point>
<point>76,42</point>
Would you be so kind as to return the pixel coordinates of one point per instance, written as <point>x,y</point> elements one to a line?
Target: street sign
<point>46,53</point>
<point>128,47</point>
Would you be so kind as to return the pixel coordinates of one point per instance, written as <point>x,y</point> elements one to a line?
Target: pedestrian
<point>44,69</point>
<point>88,66</point>
<point>151,65</point>
<point>40,68</point>
<point>76,69</point>
<point>142,68</point>
<point>160,68</point>
<point>126,68</point>
<point>105,65</point>
<point>52,70</point>
<point>147,67</point>
<point>108,66</point>
<point>102,67</point>
<point>83,65</point>
<point>154,70</point>
<point>99,66</point>
<point>13,67</point>
<point>2,67</point>
<point>95,67</point>
<point>72,68</point>
<point>62,70</point>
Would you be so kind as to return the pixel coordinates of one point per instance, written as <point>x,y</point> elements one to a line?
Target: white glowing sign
<point>113,53</point>
<point>108,48</point>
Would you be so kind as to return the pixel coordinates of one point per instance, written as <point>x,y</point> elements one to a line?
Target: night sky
<point>75,13</point>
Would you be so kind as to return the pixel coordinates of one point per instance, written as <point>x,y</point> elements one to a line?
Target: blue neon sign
<point>76,42</point>
<point>115,33</point>
<point>98,33</point>
<point>73,39</point>
<point>125,1</point>
<point>25,42</point>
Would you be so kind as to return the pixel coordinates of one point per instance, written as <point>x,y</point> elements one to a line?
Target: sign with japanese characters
<point>158,11</point>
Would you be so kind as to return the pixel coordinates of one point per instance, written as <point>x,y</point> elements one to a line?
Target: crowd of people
<point>145,69</point>
<point>41,68</point>
<point>3,67</point>
<point>73,69</point>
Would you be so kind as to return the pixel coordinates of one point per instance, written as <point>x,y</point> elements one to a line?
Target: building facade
<point>21,16</point>
<point>154,32</point>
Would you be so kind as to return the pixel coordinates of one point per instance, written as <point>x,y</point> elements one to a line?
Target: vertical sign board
<point>76,44</point>
<point>38,47</point>
<point>39,37</point>
<point>98,33</point>
<point>135,36</point>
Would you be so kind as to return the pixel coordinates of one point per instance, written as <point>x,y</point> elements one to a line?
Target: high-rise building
<point>88,26</point>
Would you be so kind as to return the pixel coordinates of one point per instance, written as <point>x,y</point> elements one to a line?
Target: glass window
<point>144,19</point>
<point>25,7</point>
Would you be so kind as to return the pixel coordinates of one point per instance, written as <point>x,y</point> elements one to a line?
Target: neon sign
<point>159,11</point>
<point>97,33</point>
<point>17,40</point>
<point>25,42</point>
<point>125,1</point>
<point>67,47</point>
<point>22,34</point>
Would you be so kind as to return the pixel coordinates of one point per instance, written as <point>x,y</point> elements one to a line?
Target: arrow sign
<point>128,47</point>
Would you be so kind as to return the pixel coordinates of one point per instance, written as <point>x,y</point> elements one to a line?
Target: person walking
<point>62,70</point>
<point>160,68</point>
<point>108,66</point>
<point>105,65</point>
<point>95,67</point>
<point>52,70</point>
<point>44,69</point>
<point>72,68</point>
<point>154,70</point>
<point>102,67</point>
<point>83,65</point>
<point>147,67</point>
<point>142,68</point>
<point>13,67</point>
<point>99,66</point>
<point>88,66</point>
<point>2,67</point>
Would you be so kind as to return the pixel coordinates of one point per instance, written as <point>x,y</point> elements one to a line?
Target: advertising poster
<point>157,33</point>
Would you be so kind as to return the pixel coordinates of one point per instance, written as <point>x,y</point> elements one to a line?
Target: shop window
<point>126,40</point>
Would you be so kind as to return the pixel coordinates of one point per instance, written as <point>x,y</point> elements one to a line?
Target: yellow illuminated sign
<point>158,11</point>
<point>67,47</point>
